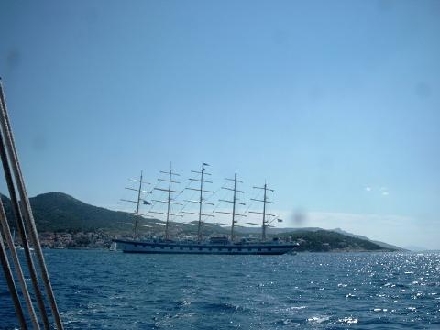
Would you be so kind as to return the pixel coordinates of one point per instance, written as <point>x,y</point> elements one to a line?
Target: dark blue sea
<point>103,289</point>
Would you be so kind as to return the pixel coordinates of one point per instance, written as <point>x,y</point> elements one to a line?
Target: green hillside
<point>326,240</point>
<point>60,212</point>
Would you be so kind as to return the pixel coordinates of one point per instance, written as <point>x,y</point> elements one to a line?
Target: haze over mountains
<point>60,212</point>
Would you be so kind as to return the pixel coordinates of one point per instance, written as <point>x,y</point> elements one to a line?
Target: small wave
<point>377,310</point>
<point>289,322</point>
<point>220,307</point>
<point>184,303</point>
<point>296,307</point>
<point>318,319</point>
<point>397,285</point>
<point>348,320</point>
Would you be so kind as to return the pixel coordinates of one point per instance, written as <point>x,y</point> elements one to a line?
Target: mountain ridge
<point>59,212</point>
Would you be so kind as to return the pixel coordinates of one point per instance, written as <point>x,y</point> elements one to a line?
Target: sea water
<point>103,289</point>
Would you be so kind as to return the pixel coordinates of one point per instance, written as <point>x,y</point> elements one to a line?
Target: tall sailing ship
<point>213,245</point>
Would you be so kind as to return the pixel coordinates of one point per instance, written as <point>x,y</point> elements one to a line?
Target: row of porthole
<point>201,248</point>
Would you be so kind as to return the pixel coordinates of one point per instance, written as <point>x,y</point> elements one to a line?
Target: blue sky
<point>334,103</point>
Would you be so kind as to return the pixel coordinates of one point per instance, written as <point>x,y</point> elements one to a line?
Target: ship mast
<point>234,204</point>
<point>201,200</point>
<point>169,191</point>
<point>137,201</point>
<point>264,201</point>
